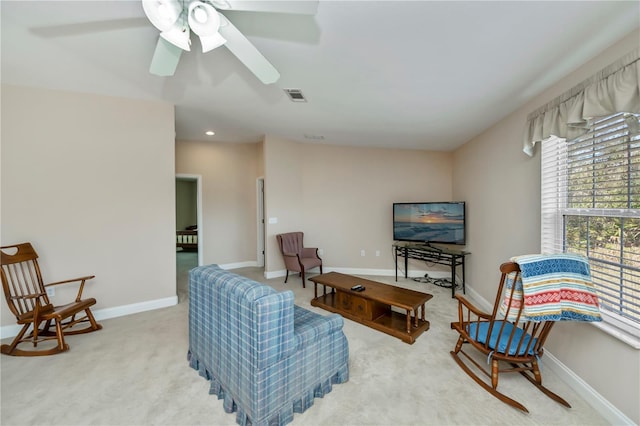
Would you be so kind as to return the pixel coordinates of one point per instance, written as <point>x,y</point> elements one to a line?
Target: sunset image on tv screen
<point>429,222</point>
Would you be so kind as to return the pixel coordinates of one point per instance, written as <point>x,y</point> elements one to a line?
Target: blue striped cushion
<point>498,341</point>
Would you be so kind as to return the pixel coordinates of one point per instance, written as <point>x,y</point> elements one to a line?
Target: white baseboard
<point>283,272</point>
<point>135,308</point>
<point>246,264</point>
<point>106,313</point>
<point>9,331</point>
<point>582,388</point>
<point>352,271</point>
<point>365,271</point>
<point>275,274</point>
<point>480,301</point>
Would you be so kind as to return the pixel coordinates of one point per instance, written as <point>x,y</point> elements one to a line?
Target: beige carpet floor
<point>135,372</point>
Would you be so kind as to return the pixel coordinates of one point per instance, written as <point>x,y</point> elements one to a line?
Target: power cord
<point>440,282</point>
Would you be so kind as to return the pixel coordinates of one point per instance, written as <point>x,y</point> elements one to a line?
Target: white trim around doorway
<point>198,179</point>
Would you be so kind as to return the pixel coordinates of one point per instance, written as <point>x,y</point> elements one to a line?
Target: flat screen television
<point>430,222</point>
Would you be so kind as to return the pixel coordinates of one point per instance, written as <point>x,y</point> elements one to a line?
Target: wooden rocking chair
<point>515,342</point>
<point>27,298</point>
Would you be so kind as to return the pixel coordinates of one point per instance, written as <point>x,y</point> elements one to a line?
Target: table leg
<point>463,290</point>
<point>406,262</point>
<point>408,321</point>
<point>315,290</point>
<point>453,277</point>
<point>395,252</point>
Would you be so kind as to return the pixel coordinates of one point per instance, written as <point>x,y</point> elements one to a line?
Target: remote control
<point>357,288</point>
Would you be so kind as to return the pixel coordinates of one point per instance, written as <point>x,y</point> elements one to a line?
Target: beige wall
<point>283,194</point>
<point>260,159</point>
<point>229,172</point>
<point>79,182</point>
<point>342,197</point>
<point>502,188</point>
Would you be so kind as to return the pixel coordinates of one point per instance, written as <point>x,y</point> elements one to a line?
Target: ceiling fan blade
<point>301,7</point>
<point>165,58</point>
<point>84,28</point>
<point>244,50</point>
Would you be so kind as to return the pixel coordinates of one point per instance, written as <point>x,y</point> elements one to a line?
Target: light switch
<point>273,220</point>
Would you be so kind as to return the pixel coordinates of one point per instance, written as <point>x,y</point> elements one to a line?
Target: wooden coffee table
<point>372,307</point>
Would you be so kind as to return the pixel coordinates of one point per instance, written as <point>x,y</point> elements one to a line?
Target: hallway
<point>185,260</point>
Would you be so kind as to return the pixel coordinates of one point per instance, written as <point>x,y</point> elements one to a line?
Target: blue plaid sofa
<point>266,357</point>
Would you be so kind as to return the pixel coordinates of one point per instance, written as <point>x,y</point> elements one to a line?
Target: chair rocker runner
<point>27,298</point>
<point>513,341</point>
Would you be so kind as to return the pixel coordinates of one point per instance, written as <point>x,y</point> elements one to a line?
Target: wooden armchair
<point>502,337</point>
<point>27,298</point>
<point>297,257</point>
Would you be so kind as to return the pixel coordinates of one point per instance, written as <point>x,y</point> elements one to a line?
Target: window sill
<point>620,334</point>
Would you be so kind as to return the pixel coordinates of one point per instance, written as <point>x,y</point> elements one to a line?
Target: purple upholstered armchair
<point>297,257</point>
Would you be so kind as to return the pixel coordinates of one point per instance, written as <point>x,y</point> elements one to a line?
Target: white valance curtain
<point>614,89</point>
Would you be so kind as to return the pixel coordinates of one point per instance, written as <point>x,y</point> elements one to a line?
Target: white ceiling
<point>408,74</point>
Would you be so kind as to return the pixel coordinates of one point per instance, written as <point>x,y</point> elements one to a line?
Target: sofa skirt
<point>282,415</point>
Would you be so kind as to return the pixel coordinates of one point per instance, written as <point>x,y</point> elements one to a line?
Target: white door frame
<point>261,250</point>
<point>198,179</point>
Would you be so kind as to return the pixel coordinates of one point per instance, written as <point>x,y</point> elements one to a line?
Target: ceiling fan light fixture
<point>200,15</point>
<point>163,14</point>
<point>211,42</point>
<point>178,35</point>
<point>203,18</point>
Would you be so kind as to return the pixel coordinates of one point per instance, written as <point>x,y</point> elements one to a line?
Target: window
<point>590,200</point>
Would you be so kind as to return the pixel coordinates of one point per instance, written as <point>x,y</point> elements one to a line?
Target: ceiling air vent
<point>313,137</point>
<point>295,95</point>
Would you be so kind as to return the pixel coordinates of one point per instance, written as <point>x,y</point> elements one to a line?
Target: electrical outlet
<point>377,253</point>
<point>51,291</point>
<point>320,252</point>
<point>362,253</point>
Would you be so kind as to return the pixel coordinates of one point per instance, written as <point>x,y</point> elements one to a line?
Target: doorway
<point>189,230</point>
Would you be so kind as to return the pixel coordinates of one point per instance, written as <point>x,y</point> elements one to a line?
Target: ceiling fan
<point>176,18</point>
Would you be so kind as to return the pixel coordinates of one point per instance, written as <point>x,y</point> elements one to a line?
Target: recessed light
<point>209,133</point>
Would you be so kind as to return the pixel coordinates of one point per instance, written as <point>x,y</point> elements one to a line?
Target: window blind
<point>590,204</point>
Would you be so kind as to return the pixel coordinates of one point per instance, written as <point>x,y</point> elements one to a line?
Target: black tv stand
<point>425,251</point>
<point>428,245</point>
